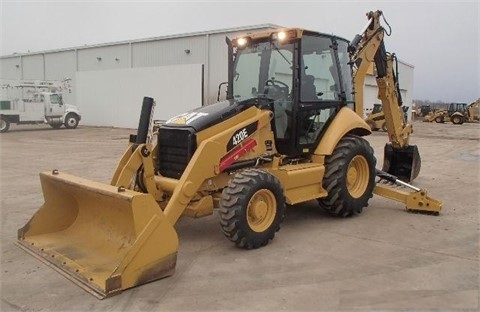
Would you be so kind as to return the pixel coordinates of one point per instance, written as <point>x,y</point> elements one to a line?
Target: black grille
<point>175,149</point>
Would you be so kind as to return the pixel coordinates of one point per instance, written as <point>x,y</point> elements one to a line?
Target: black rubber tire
<point>71,121</point>
<point>439,120</point>
<point>339,201</point>
<point>384,127</point>
<point>236,204</point>
<point>457,120</point>
<point>4,125</point>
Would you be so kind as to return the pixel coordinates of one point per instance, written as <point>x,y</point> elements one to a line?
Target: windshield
<point>263,69</point>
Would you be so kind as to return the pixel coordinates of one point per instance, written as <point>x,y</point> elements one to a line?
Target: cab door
<point>54,106</point>
<point>321,91</point>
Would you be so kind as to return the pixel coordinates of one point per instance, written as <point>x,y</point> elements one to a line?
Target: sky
<point>440,38</point>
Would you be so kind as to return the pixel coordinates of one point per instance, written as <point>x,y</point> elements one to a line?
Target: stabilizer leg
<point>415,199</point>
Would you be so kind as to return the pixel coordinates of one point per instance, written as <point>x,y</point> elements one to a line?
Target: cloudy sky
<point>440,38</point>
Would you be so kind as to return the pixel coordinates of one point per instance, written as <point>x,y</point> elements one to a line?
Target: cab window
<point>56,99</point>
<point>319,80</point>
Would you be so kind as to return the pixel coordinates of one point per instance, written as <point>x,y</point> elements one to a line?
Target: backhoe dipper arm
<point>402,161</point>
<point>369,48</point>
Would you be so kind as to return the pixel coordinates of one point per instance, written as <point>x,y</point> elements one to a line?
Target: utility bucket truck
<point>35,103</point>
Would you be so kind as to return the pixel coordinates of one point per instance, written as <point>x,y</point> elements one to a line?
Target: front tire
<point>252,208</point>
<point>349,177</point>
<point>71,121</point>
<point>4,125</point>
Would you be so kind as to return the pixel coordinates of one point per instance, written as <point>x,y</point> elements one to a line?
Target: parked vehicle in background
<point>457,113</point>
<point>36,103</point>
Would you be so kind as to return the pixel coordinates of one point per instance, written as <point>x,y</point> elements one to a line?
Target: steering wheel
<point>276,89</point>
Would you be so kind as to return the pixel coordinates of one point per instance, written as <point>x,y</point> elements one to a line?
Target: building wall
<point>33,66</point>
<point>405,75</point>
<point>59,66</point>
<point>103,58</point>
<point>208,49</point>
<point>113,97</point>
<point>188,50</point>
<point>10,68</point>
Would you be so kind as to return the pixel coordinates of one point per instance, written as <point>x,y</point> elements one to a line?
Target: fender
<point>346,121</point>
<point>457,114</point>
<point>71,109</point>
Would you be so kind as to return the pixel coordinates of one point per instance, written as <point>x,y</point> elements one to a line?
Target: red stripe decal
<point>235,154</point>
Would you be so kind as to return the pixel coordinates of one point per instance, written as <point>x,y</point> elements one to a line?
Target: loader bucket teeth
<point>403,162</point>
<point>104,238</point>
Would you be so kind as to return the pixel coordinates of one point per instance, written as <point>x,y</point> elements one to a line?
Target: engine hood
<point>206,116</point>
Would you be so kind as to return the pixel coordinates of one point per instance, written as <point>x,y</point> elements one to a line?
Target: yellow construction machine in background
<point>289,132</point>
<point>376,118</point>
<point>456,113</point>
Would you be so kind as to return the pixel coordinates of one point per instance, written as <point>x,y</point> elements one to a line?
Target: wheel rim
<point>261,210</point>
<point>72,122</point>
<point>357,176</point>
<point>3,124</point>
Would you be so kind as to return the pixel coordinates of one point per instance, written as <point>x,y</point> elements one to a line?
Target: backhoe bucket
<point>403,163</point>
<point>103,238</point>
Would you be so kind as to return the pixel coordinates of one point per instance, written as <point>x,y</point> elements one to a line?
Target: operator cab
<point>305,76</point>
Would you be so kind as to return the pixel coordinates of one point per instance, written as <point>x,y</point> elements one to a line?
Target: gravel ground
<point>383,259</point>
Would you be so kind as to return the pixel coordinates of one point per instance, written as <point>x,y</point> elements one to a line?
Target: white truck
<point>36,106</point>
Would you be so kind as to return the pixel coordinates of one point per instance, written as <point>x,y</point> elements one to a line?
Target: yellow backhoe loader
<point>457,113</point>
<point>289,132</point>
<point>376,118</point>
<point>473,111</point>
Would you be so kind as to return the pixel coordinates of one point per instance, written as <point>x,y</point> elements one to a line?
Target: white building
<point>180,72</point>
<point>405,79</point>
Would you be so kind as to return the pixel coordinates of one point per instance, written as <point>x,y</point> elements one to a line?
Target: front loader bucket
<point>403,163</point>
<point>103,238</point>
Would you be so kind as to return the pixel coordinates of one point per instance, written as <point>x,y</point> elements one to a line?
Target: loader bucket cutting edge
<point>403,163</point>
<point>103,239</point>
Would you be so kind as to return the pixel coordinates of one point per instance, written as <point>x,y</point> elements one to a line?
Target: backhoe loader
<point>457,113</point>
<point>376,118</point>
<point>288,133</point>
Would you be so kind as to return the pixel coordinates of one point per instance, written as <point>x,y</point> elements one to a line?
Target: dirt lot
<point>384,259</point>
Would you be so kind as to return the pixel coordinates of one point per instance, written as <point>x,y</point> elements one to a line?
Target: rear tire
<point>4,125</point>
<point>71,121</point>
<point>349,177</point>
<point>252,208</point>
<point>457,120</point>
